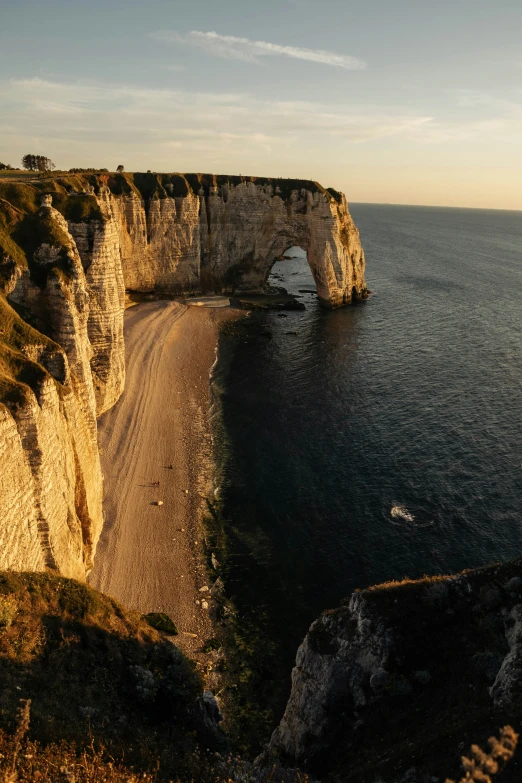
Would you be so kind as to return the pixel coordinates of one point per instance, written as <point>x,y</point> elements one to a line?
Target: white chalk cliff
<point>65,271</point>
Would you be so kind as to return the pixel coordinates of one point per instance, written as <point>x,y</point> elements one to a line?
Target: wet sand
<point>150,557</point>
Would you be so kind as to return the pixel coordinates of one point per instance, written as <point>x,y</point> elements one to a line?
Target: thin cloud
<point>212,127</point>
<point>165,113</point>
<point>233,48</point>
<point>487,102</point>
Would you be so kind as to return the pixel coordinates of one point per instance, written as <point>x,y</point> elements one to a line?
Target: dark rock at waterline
<point>272,301</point>
<point>514,586</point>
<point>208,716</point>
<point>236,304</point>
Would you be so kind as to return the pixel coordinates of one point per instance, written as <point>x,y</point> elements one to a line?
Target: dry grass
<point>482,765</point>
<point>394,583</point>
<point>97,677</point>
<point>24,760</point>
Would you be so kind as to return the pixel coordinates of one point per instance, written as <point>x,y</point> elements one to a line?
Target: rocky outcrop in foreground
<point>403,674</point>
<point>70,246</point>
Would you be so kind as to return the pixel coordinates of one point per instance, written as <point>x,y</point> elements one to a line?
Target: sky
<point>390,101</point>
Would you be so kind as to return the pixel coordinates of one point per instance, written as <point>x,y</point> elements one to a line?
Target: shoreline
<point>149,557</point>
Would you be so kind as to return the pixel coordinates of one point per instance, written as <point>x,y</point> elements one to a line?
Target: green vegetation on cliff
<point>10,252</point>
<point>19,375</point>
<point>24,227</point>
<point>68,194</point>
<point>24,190</point>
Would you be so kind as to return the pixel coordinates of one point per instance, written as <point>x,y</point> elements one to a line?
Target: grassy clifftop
<point>24,188</point>
<point>23,230</point>
<point>96,675</point>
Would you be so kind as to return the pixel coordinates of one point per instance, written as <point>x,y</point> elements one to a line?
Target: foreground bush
<point>481,766</point>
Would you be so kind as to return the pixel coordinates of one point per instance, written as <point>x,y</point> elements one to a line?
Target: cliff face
<point>245,228</point>
<point>69,248</point>
<point>404,673</point>
<point>50,412</point>
<point>225,235</point>
<point>98,245</point>
<point>159,241</point>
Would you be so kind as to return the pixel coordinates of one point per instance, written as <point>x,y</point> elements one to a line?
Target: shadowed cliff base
<point>114,700</point>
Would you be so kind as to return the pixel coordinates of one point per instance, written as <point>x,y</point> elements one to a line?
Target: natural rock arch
<point>247,227</point>
<point>203,233</point>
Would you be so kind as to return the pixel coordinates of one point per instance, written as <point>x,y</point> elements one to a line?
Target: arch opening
<point>292,273</point>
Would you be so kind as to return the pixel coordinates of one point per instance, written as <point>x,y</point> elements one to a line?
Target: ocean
<point>378,441</point>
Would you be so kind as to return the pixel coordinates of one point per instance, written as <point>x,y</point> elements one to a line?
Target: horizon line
<point>433,206</point>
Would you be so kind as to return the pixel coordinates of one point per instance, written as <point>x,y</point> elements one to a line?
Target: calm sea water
<point>382,440</point>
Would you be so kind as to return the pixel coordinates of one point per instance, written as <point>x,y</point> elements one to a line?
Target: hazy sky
<point>405,101</point>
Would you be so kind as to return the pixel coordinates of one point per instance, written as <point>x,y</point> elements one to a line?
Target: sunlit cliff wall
<point>69,248</point>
